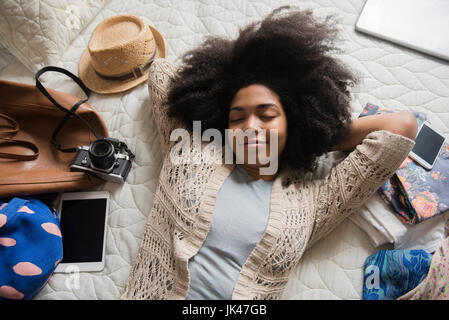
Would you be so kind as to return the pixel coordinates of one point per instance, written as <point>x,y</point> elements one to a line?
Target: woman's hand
<point>402,122</point>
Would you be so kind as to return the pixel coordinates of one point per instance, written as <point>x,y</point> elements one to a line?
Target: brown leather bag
<point>29,163</point>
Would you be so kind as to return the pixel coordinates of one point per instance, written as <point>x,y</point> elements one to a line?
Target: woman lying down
<point>234,227</point>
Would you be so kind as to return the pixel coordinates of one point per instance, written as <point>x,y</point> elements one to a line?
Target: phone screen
<point>427,144</point>
<point>82,228</point>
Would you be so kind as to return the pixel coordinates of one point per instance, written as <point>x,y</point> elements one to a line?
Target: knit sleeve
<point>161,73</point>
<point>354,180</point>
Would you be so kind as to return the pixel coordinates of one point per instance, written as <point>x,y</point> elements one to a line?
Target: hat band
<point>135,73</point>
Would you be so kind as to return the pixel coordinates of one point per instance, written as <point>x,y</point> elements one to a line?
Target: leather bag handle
<point>7,141</point>
<point>20,143</point>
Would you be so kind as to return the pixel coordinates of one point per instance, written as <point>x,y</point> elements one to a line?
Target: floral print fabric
<point>436,284</point>
<point>408,274</point>
<point>414,193</point>
<point>391,273</point>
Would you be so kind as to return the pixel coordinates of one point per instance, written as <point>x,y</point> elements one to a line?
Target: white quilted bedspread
<point>391,76</point>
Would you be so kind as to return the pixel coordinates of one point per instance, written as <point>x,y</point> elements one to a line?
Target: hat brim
<point>104,86</point>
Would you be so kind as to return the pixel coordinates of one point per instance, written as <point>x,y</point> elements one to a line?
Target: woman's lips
<point>254,144</point>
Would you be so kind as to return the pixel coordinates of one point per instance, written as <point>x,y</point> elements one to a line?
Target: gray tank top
<point>239,222</point>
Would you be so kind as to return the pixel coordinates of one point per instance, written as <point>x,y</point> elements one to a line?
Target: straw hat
<point>119,54</point>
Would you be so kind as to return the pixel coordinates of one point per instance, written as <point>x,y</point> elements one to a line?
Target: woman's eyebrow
<point>260,106</point>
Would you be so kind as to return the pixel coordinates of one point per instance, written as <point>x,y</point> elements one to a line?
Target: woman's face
<point>258,112</point>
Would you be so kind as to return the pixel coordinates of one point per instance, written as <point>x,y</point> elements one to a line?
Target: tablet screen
<point>82,227</point>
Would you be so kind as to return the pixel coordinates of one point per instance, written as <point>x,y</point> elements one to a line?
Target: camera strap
<point>72,111</point>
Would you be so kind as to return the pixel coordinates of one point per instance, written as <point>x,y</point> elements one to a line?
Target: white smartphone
<point>83,221</point>
<point>428,144</point>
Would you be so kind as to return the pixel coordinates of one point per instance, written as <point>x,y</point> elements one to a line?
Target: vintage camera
<point>108,158</point>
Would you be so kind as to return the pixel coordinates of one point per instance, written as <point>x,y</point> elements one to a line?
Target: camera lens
<point>101,154</point>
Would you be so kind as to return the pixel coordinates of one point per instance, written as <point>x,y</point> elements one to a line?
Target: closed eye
<point>262,117</point>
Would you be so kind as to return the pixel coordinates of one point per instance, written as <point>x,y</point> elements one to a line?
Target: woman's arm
<point>161,73</point>
<point>403,123</point>
<point>378,145</point>
<point>354,180</point>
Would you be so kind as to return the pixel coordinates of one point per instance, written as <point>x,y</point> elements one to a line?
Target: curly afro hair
<point>288,52</point>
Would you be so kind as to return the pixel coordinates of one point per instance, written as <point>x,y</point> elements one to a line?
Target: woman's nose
<point>252,124</point>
